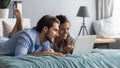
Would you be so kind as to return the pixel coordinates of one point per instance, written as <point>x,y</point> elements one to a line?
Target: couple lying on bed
<point>37,40</point>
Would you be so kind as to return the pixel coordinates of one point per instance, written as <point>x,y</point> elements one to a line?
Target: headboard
<point>12,21</point>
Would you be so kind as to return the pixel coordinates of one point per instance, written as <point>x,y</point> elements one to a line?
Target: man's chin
<point>51,40</point>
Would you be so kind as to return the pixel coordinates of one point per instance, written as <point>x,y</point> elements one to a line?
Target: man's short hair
<point>47,21</point>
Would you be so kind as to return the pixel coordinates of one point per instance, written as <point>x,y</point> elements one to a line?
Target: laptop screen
<point>84,44</point>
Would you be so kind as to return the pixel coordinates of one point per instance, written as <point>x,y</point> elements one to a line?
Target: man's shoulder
<point>31,32</point>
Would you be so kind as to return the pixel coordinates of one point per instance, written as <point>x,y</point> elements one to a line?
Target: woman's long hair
<point>63,19</point>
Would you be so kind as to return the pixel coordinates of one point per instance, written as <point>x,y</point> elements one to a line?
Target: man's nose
<point>57,34</point>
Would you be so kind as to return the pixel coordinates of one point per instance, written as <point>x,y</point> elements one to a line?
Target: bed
<point>99,58</point>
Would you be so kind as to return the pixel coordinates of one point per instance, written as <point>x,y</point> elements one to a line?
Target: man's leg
<point>18,25</point>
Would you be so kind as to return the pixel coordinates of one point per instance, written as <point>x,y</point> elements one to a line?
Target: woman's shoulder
<point>72,39</point>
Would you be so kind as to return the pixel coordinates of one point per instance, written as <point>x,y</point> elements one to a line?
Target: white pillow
<point>104,28</point>
<point>6,28</point>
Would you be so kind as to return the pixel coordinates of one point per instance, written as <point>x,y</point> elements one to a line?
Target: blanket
<point>99,58</point>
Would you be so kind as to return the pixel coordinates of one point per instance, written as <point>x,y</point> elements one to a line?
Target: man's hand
<point>53,53</point>
<point>50,50</point>
<point>59,54</point>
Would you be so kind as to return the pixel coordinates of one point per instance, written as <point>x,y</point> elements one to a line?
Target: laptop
<point>84,44</point>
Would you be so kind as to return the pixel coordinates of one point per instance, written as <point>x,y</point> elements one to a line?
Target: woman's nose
<point>66,31</point>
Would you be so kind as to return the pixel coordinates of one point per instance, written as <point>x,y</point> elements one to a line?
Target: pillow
<point>104,28</point>
<point>6,28</point>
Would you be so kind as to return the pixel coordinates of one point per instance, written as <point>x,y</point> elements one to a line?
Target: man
<point>33,41</point>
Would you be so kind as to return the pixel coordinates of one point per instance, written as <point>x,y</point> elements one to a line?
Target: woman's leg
<point>18,25</point>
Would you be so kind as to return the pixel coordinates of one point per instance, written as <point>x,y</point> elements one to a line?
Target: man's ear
<point>45,28</point>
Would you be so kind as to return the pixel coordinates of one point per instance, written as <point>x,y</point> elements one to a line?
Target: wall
<point>35,9</point>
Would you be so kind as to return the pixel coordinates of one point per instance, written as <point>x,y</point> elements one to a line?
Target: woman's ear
<point>45,29</point>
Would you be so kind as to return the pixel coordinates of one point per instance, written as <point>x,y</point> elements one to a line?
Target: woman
<point>64,43</point>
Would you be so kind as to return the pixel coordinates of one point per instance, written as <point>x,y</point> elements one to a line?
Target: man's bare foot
<point>18,14</point>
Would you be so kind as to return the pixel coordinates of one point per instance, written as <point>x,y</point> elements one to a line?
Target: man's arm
<point>24,44</point>
<point>48,52</point>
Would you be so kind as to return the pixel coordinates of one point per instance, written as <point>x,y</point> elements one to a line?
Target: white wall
<point>35,9</point>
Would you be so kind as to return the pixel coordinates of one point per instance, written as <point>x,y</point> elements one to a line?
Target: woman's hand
<point>69,49</point>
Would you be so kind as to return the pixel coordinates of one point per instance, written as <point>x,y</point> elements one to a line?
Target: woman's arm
<point>68,49</point>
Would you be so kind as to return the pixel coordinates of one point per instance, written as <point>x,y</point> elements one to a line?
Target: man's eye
<point>55,29</point>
